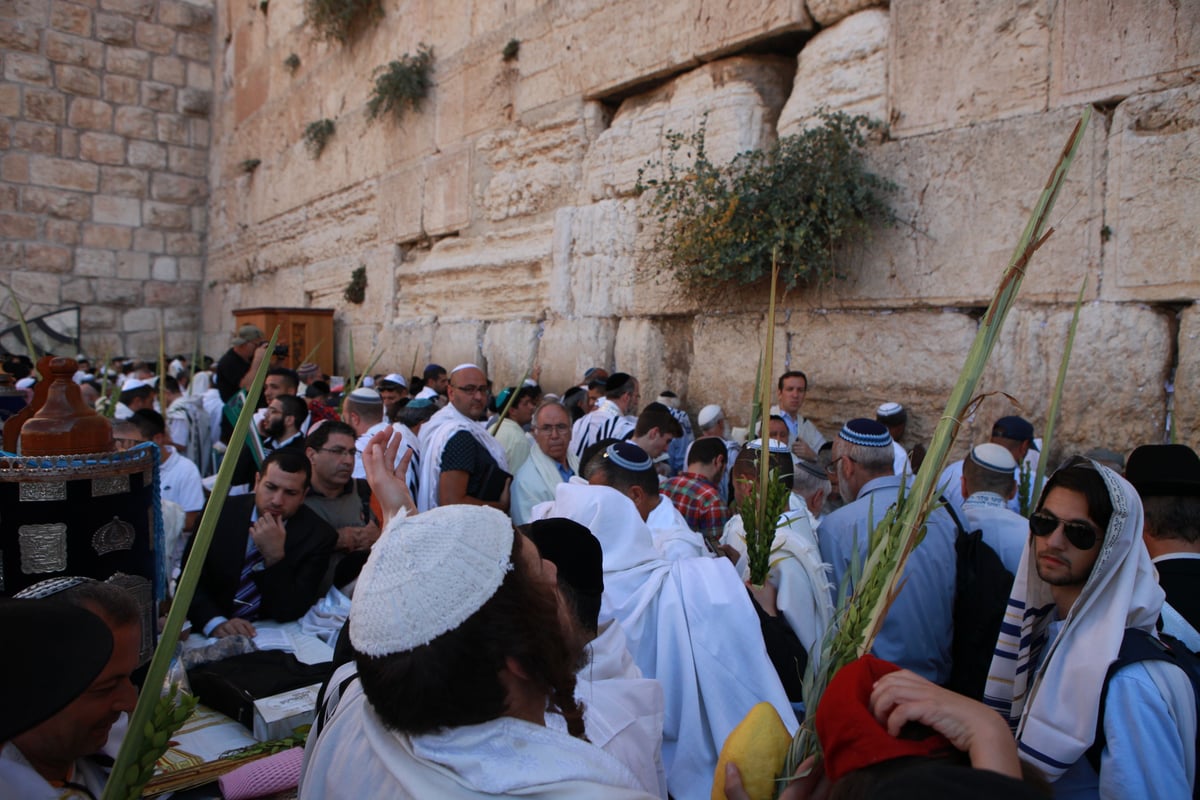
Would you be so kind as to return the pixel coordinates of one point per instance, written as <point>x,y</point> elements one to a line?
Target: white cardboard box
<point>278,715</point>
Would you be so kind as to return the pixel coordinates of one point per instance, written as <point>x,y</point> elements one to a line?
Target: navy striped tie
<point>247,599</point>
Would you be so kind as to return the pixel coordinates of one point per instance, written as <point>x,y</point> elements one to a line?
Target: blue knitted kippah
<point>628,455</point>
<point>866,432</point>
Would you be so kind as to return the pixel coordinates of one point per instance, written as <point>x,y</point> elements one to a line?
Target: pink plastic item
<point>265,776</point>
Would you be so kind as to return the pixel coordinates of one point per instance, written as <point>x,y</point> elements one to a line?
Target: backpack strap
<point>1140,645</point>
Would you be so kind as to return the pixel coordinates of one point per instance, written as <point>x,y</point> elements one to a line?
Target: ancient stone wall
<point>103,180</point>
<point>499,223</point>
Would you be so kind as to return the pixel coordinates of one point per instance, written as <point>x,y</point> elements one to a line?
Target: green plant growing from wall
<point>356,291</point>
<point>250,164</point>
<point>338,20</point>
<point>511,50</point>
<point>720,224</point>
<point>316,136</point>
<point>401,84</point>
<point>292,62</point>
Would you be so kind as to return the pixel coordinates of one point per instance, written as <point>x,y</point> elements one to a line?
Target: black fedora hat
<point>1164,469</point>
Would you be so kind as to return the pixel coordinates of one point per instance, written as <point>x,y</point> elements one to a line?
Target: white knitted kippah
<point>428,574</point>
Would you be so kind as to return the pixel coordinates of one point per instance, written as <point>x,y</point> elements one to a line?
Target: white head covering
<point>427,575</point>
<point>1055,715</point>
<point>461,367</point>
<point>708,415</point>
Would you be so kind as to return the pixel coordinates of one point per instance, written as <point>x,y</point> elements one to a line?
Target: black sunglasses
<point>1079,534</point>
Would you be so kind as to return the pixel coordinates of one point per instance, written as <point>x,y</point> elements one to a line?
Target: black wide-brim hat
<point>54,652</point>
<point>1164,469</point>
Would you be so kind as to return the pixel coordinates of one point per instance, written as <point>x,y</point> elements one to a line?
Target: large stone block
<point>1114,49</point>
<point>446,206</point>
<point>570,345</point>
<point>1187,381</point>
<point>829,12</point>
<point>725,350</point>
<point>842,68</point>
<point>963,199</point>
<point>34,287</point>
<point>737,100</point>
<point>658,352</point>
<point>594,259</point>
<point>954,62</point>
<point>400,195</point>
<point>510,350</point>
<point>533,167</point>
<point>498,276</point>
<point>1153,197</point>
<point>457,343</point>
<point>1114,394</point>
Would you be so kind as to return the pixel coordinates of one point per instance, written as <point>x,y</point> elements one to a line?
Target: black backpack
<point>981,589</point>
<point>1139,645</point>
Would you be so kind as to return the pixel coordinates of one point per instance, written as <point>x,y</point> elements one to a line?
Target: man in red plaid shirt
<point>694,492</point>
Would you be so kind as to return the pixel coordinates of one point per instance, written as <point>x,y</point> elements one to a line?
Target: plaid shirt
<point>699,501</point>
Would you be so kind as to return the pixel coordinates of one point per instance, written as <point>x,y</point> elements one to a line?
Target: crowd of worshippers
<point>548,595</point>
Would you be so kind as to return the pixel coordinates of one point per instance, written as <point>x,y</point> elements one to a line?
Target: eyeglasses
<point>1080,534</point>
<point>550,430</point>
<point>337,452</point>
<point>831,467</point>
<point>470,389</point>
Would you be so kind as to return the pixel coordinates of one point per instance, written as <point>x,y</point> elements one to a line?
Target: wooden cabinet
<point>301,329</point>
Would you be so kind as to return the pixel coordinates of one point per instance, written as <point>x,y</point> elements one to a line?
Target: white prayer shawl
<point>672,536</point>
<point>534,483</point>
<point>434,435</point>
<point>603,422</point>
<point>360,446</point>
<point>805,593</point>
<point>1055,716</point>
<point>20,781</point>
<point>355,755</point>
<point>689,623</point>
<point>409,440</point>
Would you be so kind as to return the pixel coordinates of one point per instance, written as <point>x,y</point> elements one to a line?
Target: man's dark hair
<point>777,418</point>
<point>746,465</point>
<point>413,416</point>
<point>293,407</point>
<point>623,479</point>
<point>453,681</point>
<point>114,605</point>
<point>316,389</point>
<point>706,450</point>
<point>1079,475</point>
<point>149,423</point>
<point>792,373</point>
<point>318,438</point>
<point>170,384</point>
<point>656,415</point>
<point>595,383</point>
<point>981,479</point>
<point>620,387</point>
<point>433,372</point>
<point>589,458</point>
<point>1173,517</point>
<point>534,393</point>
<point>290,461</point>
<point>290,376</point>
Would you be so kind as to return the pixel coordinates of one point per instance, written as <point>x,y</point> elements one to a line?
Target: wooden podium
<point>301,329</point>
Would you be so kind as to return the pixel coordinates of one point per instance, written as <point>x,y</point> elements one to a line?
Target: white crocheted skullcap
<point>709,415</point>
<point>365,395</point>
<point>994,457</point>
<point>427,575</point>
<point>461,367</point>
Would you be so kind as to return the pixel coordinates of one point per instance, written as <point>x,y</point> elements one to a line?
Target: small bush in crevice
<point>316,136</point>
<point>250,164</point>
<point>356,291</point>
<point>511,50</point>
<point>401,84</point>
<point>720,224</point>
<point>292,62</point>
<point>339,20</point>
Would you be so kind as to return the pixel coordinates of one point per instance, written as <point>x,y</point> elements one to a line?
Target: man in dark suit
<point>268,553</point>
<point>1167,476</point>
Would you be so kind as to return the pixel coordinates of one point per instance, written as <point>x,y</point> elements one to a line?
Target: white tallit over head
<point>434,435</point>
<point>1054,709</point>
<point>689,623</point>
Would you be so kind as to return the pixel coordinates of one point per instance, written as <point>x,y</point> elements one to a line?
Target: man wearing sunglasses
<point>1085,587</point>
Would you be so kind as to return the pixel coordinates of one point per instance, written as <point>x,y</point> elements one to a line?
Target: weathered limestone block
<point>406,345</point>
<point>963,199</point>
<point>737,100</point>
<point>954,63</point>
<point>1187,381</point>
<point>400,196</point>
<point>1114,49</point>
<point>612,47</point>
<point>457,343</point>
<point>856,360</point>
<point>657,352</point>
<point>324,285</point>
<point>1153,197</point>
<point>510,349</point>
<point>34,287</point>
<point>339,226</point>
<point>535,166</point>
<point>842,68</point>
<point>447,198</point>
<point>500,275</point>
<point>725,352</point>
<point>829,12</point>
<point>571,345</point>
<point>1114,393</point>
<point>594,264</point>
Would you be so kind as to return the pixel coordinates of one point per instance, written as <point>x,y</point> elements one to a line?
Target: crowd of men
<point>549,593</point>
